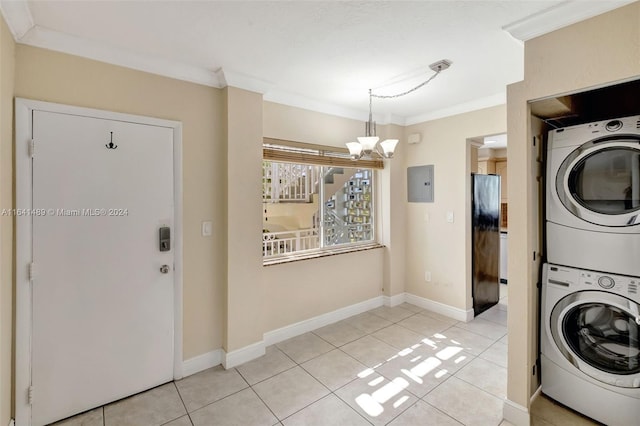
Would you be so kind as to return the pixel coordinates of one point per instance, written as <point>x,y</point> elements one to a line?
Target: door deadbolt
<point>164,269</point>
<point>164,237</point>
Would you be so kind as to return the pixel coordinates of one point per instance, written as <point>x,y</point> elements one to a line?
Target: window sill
<point>295,257</point>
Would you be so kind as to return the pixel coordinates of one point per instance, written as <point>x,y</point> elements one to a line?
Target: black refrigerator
<point>485,246</point>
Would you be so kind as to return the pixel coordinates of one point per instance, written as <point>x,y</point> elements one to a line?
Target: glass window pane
<point>608,181</point>
<point>296,218</point>
<point>290,208</point>
<point>348,198</point>
<point>605,337</point>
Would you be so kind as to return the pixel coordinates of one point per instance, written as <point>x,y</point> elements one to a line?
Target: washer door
<point>599,182</point>
<point>599,333</point>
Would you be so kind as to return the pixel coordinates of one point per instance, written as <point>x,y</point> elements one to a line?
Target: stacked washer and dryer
<point>590,316</point>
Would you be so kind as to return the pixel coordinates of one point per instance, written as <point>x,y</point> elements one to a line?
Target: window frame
<point>324,157</point>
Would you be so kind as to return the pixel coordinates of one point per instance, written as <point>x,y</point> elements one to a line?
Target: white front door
<point>102,309</point>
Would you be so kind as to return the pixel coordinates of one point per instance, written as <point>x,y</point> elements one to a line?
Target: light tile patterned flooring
<point>396,366</point>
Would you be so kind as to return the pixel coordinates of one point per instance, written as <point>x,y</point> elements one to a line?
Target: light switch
<point>206,228</point>
<point>450,217</point>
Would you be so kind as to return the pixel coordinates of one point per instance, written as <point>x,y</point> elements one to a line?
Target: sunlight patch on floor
<point>372,404</point>
<point>448,352</point>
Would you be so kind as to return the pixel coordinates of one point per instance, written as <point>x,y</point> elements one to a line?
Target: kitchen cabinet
<point>501,170</point>
<point>487,167</point>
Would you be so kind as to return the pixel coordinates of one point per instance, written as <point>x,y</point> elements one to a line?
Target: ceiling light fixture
<point>369,144</point>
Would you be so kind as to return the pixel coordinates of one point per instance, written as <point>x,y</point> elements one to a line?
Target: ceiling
<point>495,141</point>
<point>318,55</point>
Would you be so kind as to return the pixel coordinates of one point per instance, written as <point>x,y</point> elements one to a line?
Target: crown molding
<point>243,81</point>
<point>66,43</point>
<point>303,102</point>
<point>292,99</point>
<point>476,104</point>
<point>17,16</point>
<point>558,16</point>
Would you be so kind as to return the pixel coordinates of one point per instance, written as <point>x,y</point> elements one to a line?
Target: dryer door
<point>599,182</point>
<point>599,333</point>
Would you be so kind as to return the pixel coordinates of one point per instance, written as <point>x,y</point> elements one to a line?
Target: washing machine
<point>589,343</point>
<point>593,196</point>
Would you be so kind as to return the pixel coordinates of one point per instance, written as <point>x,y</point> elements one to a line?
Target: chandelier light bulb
<point>355,150</point>
<point>368,143</point>
<point>388,147</point>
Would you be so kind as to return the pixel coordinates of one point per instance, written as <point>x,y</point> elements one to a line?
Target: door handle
<point>165,269</point>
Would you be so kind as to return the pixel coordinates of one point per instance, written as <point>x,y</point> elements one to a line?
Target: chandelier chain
<point>403,93</point>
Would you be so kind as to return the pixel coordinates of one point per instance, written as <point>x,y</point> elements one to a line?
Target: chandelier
<point>368,144</point>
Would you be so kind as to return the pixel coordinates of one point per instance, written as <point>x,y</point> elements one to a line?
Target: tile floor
<point>395,366</point>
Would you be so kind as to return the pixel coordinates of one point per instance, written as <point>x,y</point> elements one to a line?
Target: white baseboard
<point>440,308</point>
<point>202,362</point>
<point>396,300</point>
<point>242,355</point>
<point>515,413</point>
<point>293,330</point>
<point>256,350</point>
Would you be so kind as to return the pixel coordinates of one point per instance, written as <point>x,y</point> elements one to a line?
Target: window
<point>320,202</point>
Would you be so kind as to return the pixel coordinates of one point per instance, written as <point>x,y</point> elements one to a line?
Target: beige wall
<point>7,64</point>
<point>595,52</point>
<point>56,77</point>
<point>433,244</point>
<point>245,289</point>
<point>301,125</point>
<point>301,290</point>
<point>391,211</point>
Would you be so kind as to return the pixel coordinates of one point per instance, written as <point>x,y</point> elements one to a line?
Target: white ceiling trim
<point>476,104</point>
<point>559,16</point>
<point>54,40</point>
<point>299,101</point>
<point>243,81</point>
<point>303,102</point>
<point>17,16</point>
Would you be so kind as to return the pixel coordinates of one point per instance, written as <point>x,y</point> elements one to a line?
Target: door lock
<point>165,269</point>
<point>164,236</point>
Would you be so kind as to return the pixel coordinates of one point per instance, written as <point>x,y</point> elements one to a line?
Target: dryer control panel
<point>580,279</point>
<point>581,133</point>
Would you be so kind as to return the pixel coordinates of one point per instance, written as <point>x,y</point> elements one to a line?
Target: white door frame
<point>24,125</point>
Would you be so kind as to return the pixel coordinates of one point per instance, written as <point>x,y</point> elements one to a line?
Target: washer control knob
<point>613,125</point>
<point>606,282</point>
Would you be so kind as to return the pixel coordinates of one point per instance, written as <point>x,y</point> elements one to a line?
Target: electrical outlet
<point>427,276</point>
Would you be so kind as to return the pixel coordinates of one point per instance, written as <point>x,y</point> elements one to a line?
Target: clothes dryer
<point>593,196</point>
<point>590,343</point>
